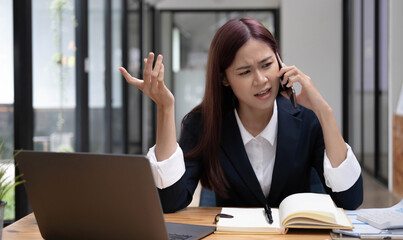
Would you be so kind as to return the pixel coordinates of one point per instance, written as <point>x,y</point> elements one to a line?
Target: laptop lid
<point>92,196</point>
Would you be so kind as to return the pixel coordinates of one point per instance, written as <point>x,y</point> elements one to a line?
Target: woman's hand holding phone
<point>309,96</point>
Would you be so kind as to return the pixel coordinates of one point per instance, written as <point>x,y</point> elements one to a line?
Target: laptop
<point>97,196</point>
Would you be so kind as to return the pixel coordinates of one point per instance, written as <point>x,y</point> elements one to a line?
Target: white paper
<point>248,220</point>
<point>361,228</point>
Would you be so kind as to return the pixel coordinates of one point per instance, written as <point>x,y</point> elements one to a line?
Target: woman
<point>246,141</point>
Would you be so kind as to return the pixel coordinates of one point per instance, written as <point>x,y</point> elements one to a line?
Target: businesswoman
<point>246,140</point>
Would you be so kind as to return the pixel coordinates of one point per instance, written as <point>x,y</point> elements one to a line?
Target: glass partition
<point>7,101</point>
<point>53,45</point>
<point>117,110</point>
<point>368,89</point>
<point>96,75</point>
<point>134,67</point>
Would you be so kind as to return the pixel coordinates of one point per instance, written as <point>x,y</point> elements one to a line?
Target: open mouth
<point>263,93</point>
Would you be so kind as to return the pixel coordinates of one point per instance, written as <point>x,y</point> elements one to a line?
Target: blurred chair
<point>207,198</point>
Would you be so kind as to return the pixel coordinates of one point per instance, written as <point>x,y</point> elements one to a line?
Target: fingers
<point>153,76</point>
<point>148,62</point>
<point>132,80</point>
<point>292,75</point>
<point>289,76</point>
<point>161,77</point>
<point>156,71</point>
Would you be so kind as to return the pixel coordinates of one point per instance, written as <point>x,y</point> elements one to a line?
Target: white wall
<point>395,66</point>
<point>311,39</point>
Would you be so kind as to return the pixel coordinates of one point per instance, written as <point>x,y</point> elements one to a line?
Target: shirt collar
<point>269,132</point>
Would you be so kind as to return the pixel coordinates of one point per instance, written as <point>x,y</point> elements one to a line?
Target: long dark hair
<point>218,100</point>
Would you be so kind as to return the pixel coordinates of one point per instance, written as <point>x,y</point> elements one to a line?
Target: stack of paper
<point>364,230</point>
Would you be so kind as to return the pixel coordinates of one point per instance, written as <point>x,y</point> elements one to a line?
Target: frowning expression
<point>253,76</point>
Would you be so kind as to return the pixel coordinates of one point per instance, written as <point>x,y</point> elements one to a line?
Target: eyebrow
<point>248,66</point>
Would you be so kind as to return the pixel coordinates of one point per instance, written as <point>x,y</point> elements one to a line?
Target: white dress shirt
<point>261,150</point>
<point>169,171</point>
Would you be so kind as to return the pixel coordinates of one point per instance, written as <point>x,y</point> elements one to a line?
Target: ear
<point>225,82</point>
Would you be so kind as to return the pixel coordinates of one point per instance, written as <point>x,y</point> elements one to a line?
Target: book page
<point>313,205</point>
<point>342,221</point>
<point>251,220</point>
<point>341,218</point>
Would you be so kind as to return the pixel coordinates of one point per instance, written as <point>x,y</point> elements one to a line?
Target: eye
<point>266,65</point>
<point>244,73</point>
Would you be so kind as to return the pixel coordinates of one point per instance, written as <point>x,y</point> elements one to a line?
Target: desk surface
<point>27,228</point>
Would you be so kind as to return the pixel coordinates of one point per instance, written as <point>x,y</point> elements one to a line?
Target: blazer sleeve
<point>349,199</point>
<point>180,194</point>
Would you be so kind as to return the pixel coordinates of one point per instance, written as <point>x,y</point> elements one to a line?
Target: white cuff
<point>169,171</point>
<point>345,175</point>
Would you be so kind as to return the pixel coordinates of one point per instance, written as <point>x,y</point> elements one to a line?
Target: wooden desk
<point>27,228</point>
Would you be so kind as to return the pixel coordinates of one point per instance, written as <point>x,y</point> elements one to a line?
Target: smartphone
<point>289,90</point>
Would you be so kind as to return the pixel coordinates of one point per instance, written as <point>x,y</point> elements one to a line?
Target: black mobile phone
<point>289,90</point>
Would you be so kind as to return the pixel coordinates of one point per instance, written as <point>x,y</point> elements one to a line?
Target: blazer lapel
<point>232,145</point>
<point>288,134</point>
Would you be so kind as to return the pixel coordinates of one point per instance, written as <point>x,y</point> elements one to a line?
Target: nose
<point>259,78</point>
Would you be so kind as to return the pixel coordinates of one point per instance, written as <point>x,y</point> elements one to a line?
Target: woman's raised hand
<point>153,84</point>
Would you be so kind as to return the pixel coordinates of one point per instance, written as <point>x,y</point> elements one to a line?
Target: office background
<point>61,90</point>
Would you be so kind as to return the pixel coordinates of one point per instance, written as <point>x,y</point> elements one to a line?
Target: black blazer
<point>300,146</point>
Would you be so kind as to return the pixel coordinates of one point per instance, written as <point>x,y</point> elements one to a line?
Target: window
<point>53,46</point>
<point>7,100</point>
<point>117,97</point>
<point>96,75</point>
<point>134,68</point>
<point>368,89</point>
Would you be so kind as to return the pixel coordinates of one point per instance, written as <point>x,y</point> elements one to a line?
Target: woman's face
<point>253,76</point>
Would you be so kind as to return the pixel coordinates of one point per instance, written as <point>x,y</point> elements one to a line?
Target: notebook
<point>299,210</point>
<point>97,196</point>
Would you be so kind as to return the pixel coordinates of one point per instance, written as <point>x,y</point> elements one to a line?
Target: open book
<point>300,210</point>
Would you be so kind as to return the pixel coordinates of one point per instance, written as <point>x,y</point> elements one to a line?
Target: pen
<point>267,209</point>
